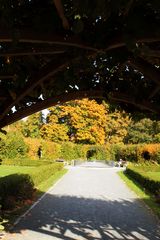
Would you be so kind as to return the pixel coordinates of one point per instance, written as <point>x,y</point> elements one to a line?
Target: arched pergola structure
<point>111,51</point>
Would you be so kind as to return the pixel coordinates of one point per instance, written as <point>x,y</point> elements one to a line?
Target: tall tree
<point>116,126</point>
<point>143,131</point>
<point>32,125</point>
<point>85,121</point>
<point>54,130</point>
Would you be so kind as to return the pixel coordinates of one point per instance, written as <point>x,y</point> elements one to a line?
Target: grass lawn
<point>7,170</point>
<point>150,171</point>
<point>146,197</point>
<point>153,175</point>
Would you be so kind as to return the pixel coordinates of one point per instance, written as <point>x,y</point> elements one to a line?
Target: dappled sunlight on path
<point>88,204</point>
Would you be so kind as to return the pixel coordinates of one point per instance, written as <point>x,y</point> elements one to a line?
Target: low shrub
<point>149,184</point>
<point>44,172</point>
<point>15,188</point>
<point>67,151</point>
<point>115,151</point>
<point>137,152</point>
<point>149,152</point>
<point>13,146</point>
<point>33,146</point>
<point>50,150</point>
<point>25,162</point>
<point>97,152</point>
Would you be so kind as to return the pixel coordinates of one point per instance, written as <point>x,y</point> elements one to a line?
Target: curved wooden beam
<point>144,105</point>
<point>50,70</point>
<point>154,92</point>
<point>151,53</point>
<point>60,99</point>
<point>6,77</point>
<point>146,68</point>
<point>120,41</point>
<point>29,53</point>
<point>50,39</point>
<point>70,41</point>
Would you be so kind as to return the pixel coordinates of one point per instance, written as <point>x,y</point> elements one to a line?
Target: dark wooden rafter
<point>128,7</point>
<point>60,99</point>
<point>5,77</point>
<point>144,105</point>
<point>151,53</point>
<point>35,38</point>
<point>51,69</point>
<point>120,41</point>
<point>29,53</point>
<point>151,72</point>
<point>154,92</point>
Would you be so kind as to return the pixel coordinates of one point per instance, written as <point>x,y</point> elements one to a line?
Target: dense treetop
<point>111,50</point>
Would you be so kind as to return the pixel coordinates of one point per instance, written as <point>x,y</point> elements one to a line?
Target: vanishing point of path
<point>88,203</point>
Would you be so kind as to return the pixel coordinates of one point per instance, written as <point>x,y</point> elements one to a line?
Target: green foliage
<point>80,151</point>
<point>15,188</point>
<point>31,127</point>
<point>13,146</point>
<point>143,131</point>
<point>127,152</point>
<point>25,162</point>
<point>98,152</point>
<point>116,126</point>
<point>157,156</point>
<point>85,122</point>
<point>136,152</point>
<point>44,172</point>
<point>50,150</point>
<point>115,151</point>
<point>67,151</point>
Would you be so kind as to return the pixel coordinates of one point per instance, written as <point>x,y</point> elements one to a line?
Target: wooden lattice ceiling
<point>111,50</point>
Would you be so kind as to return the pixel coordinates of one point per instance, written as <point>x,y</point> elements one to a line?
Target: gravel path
<point>88,203</point>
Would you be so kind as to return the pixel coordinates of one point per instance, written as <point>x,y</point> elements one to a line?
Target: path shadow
<point>71,217</point>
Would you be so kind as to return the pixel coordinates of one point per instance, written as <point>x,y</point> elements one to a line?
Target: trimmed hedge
<point>25,162</point>
<point>16,188</point>
<point>50,150</point>
<point>137,152</point>
<point>13,146</point>
<point>147,183</point>
<point>44,172</point>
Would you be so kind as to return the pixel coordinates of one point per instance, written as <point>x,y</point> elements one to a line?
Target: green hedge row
<point>25,162</point>
<point>137,152</point>
<point>14,146</point>
<point>44,172</point>
<point>147,183</point>
<point>16,188</point>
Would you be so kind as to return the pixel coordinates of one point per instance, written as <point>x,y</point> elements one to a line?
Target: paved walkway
<point>88,203</point>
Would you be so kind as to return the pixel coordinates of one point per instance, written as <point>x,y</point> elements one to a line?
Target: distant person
<point>39,152</point>
<point>59,6</point>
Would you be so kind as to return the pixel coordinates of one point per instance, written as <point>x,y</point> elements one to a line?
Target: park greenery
<point>82,129</point>
<point>77,130</point>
